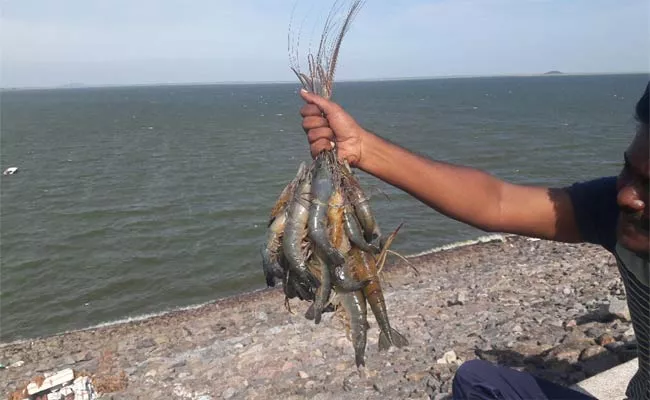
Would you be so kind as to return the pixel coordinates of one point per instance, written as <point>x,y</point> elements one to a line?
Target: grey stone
<point>145,343</point>
<point>229,393</point>
<point>618,309</point>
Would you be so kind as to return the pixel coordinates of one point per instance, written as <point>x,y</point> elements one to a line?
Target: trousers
<point>481,380</point>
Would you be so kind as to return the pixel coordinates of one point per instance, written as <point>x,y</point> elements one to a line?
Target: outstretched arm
<point>468,195</point>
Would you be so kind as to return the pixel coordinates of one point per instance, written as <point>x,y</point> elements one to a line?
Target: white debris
<point>60,378</point>
<point>62,384</point>
<point>10,171</point>
<point>83,389</point>
<point>448,358</point>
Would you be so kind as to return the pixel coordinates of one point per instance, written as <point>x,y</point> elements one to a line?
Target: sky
<point>46,43</point>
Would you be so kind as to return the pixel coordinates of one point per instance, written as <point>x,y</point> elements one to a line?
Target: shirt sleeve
<point>596,210</point>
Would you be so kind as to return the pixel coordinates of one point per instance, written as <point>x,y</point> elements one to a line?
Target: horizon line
<point>553,73</point>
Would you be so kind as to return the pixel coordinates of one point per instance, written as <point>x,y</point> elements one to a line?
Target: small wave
<point>456,245</point>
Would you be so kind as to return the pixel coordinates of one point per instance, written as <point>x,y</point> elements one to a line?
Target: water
<point>138,200</point>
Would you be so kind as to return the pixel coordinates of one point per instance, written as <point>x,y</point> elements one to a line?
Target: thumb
<point>326,106</point>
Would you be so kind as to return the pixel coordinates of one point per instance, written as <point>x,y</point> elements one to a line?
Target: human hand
<point>326,123</point>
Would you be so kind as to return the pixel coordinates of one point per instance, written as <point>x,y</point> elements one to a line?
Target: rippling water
<point>139,200</point>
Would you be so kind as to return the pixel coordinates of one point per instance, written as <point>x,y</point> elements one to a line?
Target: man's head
<point>633,196</point>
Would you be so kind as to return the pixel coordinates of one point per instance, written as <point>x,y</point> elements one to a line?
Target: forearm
<point>465,194</point>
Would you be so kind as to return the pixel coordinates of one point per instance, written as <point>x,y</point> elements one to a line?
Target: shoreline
<point>242,296</point>
<point>530,304</point>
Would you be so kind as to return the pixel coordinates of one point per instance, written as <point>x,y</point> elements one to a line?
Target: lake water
<point>138,200</point>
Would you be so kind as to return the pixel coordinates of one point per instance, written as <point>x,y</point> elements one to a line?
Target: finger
<point>326,106</point>
<point>319,146</point>
<point>318,134</point>
<point>309,123</point>
<point>311,110</point>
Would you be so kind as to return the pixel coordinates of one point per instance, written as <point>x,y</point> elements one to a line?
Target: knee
<point>472,369</point>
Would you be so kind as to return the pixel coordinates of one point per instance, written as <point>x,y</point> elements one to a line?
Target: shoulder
<point>596,210</point>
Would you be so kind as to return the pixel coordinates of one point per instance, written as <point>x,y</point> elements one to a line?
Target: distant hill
<point>553,73</point>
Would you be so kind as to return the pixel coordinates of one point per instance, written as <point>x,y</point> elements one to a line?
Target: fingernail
<point>303,90</point>
<point>638,204</point>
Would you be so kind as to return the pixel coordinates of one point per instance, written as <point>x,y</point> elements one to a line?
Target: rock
<point>287,366</point>
<point>204,397</point>
<point>177,364</point>
<point>145,343</point>
<point>517,329</point>
<point>591,352</point>
<point>615,347</point>
<point>275,330</point>
<point>351,381</point>
<point>68,360</point>
<point>566,291</point>
<point>629,333</point>
<point>605,339</point>
<point>262,316</point>
<point>433,385</point>
<point>83,356</point>
<point>17,364</point>
<point>592,332</point>
<point>229,393</point>
<point>448,358</point>
<point>570,324</point>
<point>151,373</point>
<point>303,375</point>
<point>460,298</point>
<point>617,309</point>
<point>377,387</point>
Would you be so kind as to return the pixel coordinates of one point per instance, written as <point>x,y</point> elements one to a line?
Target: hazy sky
<point>57,42</point>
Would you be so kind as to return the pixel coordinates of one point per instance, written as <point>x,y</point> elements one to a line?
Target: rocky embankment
<point>553,309</point>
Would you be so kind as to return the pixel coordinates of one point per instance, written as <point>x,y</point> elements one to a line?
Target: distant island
<point>554,73</point>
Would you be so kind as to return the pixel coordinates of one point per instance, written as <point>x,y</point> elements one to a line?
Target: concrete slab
<point>610,384</point>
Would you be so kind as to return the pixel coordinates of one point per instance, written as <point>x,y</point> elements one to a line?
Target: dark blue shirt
<point>596,213</point>
<point>596,210</point>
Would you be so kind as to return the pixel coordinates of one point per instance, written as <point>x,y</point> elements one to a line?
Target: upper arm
<point>545,213</point>
<point>583,212</point>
